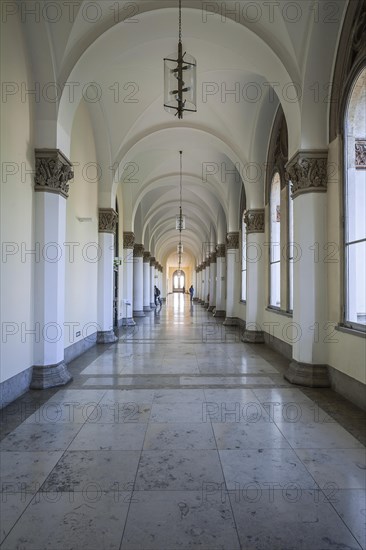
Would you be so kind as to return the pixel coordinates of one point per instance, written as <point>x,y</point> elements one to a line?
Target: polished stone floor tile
<point>295,519</point>
<point>262,466</point>
<point>350,504</point>
<point>110,437</point>
<point>12,505</point>
<point>127,396</point>
<point>104,470</point>
<point>178,470</point>
<point>121,413</point>
<point>25,472</point>
<point>254,435</point>
<point>180,436</point>
<point>281,395</point>
<point>167,520</point>
<point>40,437</point>
<point>317,435</point>
<point>341,468</point>
<point>60,521</point>
<point>178,396</point>
<point>178,412</point>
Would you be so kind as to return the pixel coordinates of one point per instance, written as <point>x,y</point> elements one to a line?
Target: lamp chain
<point>180,20</point>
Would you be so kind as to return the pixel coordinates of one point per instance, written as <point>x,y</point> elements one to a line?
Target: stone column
<point>107,229</point>
<point>220,310</point>
<point>128,245</point>
<point>212,304</point>
<point>256,258</point>
<point>307,171</point>
<point>207,284</point>
<point>152,282</point>
<point>232,258</point>
<point>138,281</point>
<point>53,173</point>
<point>147,282</point>
<point>203,287</point>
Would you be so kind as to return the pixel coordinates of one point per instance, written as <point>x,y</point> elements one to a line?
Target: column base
<point>147,308</point>
<point>106,337</point>
<point>220,313</point>
<point>128,322</point>
<point>50,376</point>
<point>211,308</point>
<point>152,306</point>
<point>138,314</point>
<point>230,322</point>
<point>304,374</point>
<point>253,337</point>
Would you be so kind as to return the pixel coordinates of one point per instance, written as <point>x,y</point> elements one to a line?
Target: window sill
<point>279,311</point>
<point>349,330</point>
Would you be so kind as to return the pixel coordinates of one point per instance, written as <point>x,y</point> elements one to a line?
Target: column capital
<point>138,251</point>
<point>360,149</point>
<point>147,257</point>
<point>107,220</point>
<point>152,261</point>
<point>213,256</point>
<point>53,172</point>
<point>307,171</point>
<point>255,220</point>
<point>220,251</point>
<point>232,240</point>
<point>128,239</point>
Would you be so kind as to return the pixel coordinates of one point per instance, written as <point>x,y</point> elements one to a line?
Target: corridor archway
<point>179,281</point>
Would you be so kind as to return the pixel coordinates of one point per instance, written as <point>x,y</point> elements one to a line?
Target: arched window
<point>354,206</point>
<point>275,246</point>
<point>243,260</point>
<point>290,249</point>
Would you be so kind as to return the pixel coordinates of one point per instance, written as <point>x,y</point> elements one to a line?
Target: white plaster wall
<point>347,353</point>
<point>17,205</point>
<point>82,266</point>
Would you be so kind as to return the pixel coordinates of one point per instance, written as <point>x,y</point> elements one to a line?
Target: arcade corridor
<point>181,436</point>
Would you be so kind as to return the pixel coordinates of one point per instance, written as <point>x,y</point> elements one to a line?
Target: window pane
<point>275,285</point>
<point>356,201</point>
<point>356,287</point>
<point>243,285</point>
<point>291,286</point>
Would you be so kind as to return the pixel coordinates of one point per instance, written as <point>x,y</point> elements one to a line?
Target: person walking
<point>191,293</point>
<point>157,296</point>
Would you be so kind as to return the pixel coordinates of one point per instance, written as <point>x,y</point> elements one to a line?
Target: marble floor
<point>180,436</point>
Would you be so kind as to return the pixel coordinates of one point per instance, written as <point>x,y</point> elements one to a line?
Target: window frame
<point>270,263</point>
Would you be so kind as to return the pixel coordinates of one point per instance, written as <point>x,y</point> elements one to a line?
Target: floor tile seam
<point>19,518</point>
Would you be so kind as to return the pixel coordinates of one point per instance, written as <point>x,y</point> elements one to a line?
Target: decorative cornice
<point>147,257</point>
<point>138,251</point>
<point>360,150</point>
<point>232,240</point>
<point>152,261</point>
<point>128,240</point>
<point>255,220</point>
<point>107,220</point>
<point>53,172</point>
<point>307,171</point>
<point>220,251</point>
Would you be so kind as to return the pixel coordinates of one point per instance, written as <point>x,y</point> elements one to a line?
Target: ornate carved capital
<point>53,172</point>
<point>360,147</point>
<point>152,261</point>
<point>307,171</point>
<point>138,251</point>
<point>147,257</point>
<point>232,240</point>
<point>213,257</point>
<point>221,251</point>
<point>128,240</point>
<point>254,220</point>
<point>107,220</point>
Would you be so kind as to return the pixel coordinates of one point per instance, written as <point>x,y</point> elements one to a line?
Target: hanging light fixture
<point>180,76</point>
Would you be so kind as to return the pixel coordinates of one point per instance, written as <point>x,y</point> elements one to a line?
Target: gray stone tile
<point>127,396</point>
<point>104,470</point>
<point>341,468</point>
<point>351,506</point>
<point>25,472</point>
<point>316,435</point>
<point>60,521</point>
<point>110,437</point>
<point>177,412</point>
<point>292,519</point>
<point>40,437</point>
<point>262,466</point>
<point>121,413</point>
<point>182,436</point>
<point>255,435</point>
<point>12,505</point>
<point>178,519</point>
<point>178,470</point>
<point>179,396</point>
